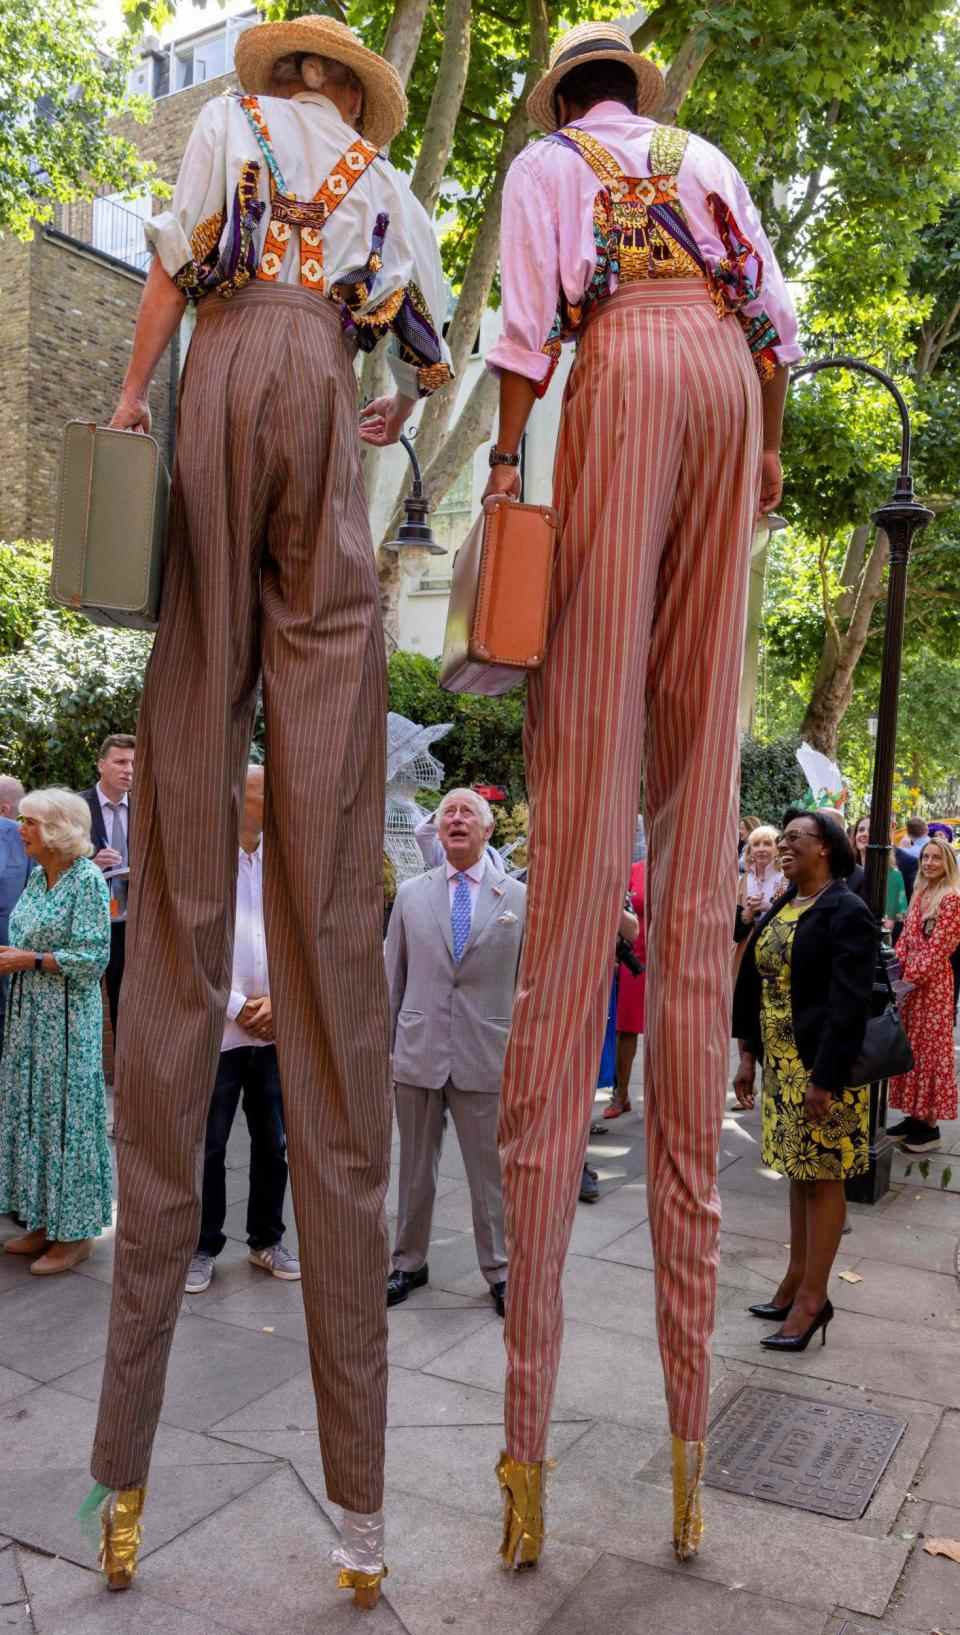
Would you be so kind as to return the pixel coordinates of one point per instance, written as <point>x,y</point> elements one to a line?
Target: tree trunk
<point>444,104</point>
<point>474,426</point>
<point>686,65</point>
<point>402,41</point>
<point>833,688</point>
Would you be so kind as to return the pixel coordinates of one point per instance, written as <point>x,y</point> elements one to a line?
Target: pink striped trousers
<point>656,482</point>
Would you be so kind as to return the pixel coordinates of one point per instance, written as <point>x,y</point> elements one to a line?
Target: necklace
<point>813,895</point>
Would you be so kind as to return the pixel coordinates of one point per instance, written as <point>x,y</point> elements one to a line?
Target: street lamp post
<point>900,518</point>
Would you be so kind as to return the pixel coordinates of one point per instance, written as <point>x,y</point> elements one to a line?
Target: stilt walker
<point>298,242</point>
<point>643,243</point>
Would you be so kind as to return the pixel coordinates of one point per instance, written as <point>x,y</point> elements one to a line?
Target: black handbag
<point>885,1051</point>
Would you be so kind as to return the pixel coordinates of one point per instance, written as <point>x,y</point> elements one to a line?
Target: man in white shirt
<point>110,820</point>
<point>452,952</point>
<point>248,1068</point>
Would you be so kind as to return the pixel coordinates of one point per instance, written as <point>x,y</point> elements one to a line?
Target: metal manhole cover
<point>791,1450</point>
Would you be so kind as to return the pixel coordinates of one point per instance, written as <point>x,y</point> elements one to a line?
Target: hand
<point>743,1083</point>
<point>816,1104</point>
<point>754,907</point>
<point>503,480</point>
<point>257,1018</point>
<point>107,858</point>
<point>132,413</point>
<point>383,420</point>
<point>15,959</point>
<point>771,481</point>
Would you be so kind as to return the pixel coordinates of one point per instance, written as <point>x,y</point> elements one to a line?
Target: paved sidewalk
<point>237,1527</point>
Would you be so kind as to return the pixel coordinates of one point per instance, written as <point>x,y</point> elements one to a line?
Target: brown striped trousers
<point>270,573</point>
<point>656,482</point>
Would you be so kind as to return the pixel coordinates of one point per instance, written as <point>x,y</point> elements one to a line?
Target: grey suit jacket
<point>451,1021</point>
<point>15,866</point>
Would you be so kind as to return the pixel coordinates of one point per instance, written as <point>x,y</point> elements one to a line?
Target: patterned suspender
<point>309,215</point>
<point>640,219</point>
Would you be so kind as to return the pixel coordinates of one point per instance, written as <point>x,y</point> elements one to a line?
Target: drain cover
<point>791,1450</point>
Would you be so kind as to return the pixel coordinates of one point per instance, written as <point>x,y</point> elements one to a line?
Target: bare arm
<point>517,397</point>
<point>774,394</point>
<point>161,308</point>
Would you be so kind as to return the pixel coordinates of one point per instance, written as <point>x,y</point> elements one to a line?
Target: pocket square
<point>507,918</point>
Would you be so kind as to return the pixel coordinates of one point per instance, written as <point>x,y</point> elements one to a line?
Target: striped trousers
<point>270,575</point>
<point>656,483</point>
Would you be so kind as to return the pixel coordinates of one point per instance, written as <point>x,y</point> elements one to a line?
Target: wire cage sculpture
<point>410,768</point>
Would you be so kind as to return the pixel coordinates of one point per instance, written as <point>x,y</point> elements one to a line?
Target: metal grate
<point>792,1450</point>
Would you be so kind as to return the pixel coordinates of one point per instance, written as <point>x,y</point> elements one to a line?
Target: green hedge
<point>485,745</point>
<point>770,778</point>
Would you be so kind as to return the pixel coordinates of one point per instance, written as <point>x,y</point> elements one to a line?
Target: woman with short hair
<point>801,1007</point>
<point>930,935</point>
<point>54,1158</point>
<point>761,882</point>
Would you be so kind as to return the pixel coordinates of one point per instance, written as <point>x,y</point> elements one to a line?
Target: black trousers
<point>114,973</point>
<point>250,1071</point>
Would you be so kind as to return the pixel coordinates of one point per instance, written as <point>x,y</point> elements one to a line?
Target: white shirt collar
<point>474,872</point>
<point>105,800</point>
<point>254,856</point>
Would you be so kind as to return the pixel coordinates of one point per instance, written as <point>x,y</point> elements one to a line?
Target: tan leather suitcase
<point>111,526</point>
<point>500,598</point>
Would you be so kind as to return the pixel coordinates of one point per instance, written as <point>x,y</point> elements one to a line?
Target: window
<point>117,228</point>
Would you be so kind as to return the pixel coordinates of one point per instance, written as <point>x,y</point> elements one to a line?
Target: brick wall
<point>163,140</point>
<point>74,325</point>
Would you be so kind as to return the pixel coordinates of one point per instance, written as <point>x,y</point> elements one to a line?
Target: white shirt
<point>474,877</point>
<point>308,138</point>
<point>106,809</point>
<point>250,976</point>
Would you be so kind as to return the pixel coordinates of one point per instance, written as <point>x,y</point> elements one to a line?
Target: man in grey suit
<point>452,952</point>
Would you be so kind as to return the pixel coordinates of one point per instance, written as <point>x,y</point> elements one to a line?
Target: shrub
<point>25,592</point>
<point>485,745</point>
<point>770,778</point>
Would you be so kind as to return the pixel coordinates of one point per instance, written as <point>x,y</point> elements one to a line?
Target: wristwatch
<point>498,458</point>
<point>38,962</point>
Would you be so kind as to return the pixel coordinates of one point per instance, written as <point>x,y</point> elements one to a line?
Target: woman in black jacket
<point>801,1006</point>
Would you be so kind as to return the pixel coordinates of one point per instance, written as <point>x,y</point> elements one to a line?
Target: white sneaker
<point>200,1275</point>
<point>278,1261</point>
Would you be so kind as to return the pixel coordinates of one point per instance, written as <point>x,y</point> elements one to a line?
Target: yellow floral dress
<point>838,1147</point>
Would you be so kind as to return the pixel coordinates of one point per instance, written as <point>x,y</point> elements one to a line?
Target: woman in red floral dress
<point>931,934</point>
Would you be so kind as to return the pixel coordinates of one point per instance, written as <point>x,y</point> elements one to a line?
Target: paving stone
<point>54,1325</point>
<point>895,1358</point>
<point>902,1294</point>
<point>608,1295</point>
<point>939,1171</point>
<point>214,1369</point>
<point>445,1572</point>
<point>596,1225</point>
<point>755,1216</point>
<point>929,1597</point>
<point>940,1478</point>
<point>919,1206</point>
<point>39,1507</point>
<point>66,1600</point>
<point>600,1492</point>
<point>907,1245</point>
<point>12,1384</point>
<point>418,1336</point>
<point>11,1589</point>
<point>16,1620</point>
<point>49,1429</point>
<point>457,1462</point>
<point>596,1365</point>
<point>628,1598</point>
<point>750,1175</point>
<point>263,1563</point>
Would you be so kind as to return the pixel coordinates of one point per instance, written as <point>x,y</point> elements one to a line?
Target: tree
<point>58,94</point>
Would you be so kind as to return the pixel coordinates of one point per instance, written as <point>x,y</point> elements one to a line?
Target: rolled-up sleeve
<point>774,301</point>
<point>420,376</point>
<point>529,273</point>
<point>199,198</point>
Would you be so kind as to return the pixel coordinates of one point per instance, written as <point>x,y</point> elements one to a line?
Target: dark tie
<point>118,840</point>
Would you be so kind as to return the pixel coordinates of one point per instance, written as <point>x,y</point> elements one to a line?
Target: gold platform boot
<point>121,1535</point>
<point>359,1556</point>
<point>522,1486</point>
<point>688,1463</point>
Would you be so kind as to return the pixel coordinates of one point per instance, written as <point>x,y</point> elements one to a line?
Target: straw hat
<point>384,101</point>
<point>593,42</point>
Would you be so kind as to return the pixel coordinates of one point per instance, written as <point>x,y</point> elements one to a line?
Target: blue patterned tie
<point>460,917</point>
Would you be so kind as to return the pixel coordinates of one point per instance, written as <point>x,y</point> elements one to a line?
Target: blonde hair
<point>483,809</point>
<point>63,819</point>
<point>932,896</point>
<point>764,831</point>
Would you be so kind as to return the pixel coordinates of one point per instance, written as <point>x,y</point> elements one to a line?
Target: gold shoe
<point>365,1586</point>
<point>522,1488</point>
<point>120,1537</point>
<point>688,1463</point>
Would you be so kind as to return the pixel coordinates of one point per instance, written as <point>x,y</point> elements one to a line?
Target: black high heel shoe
<point>770,1313</point>
<point>799,1342</point>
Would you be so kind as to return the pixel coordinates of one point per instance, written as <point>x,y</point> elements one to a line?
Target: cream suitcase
<point>111,526</point>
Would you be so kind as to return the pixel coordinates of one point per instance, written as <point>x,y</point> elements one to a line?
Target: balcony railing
<point>117,231</point>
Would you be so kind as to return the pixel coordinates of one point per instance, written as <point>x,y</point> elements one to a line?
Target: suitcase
<point>499,609</point>
<point>111,526</point>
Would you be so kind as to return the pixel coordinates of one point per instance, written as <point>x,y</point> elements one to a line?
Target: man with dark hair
<point>642,241</point>
<point>917,836</point>
<point>110,820</point>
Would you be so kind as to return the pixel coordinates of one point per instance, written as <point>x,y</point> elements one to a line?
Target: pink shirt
<point>547,235</point>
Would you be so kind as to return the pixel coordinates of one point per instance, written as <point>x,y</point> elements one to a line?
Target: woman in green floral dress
<point>54,1158</point>
<point>801,1006</point>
